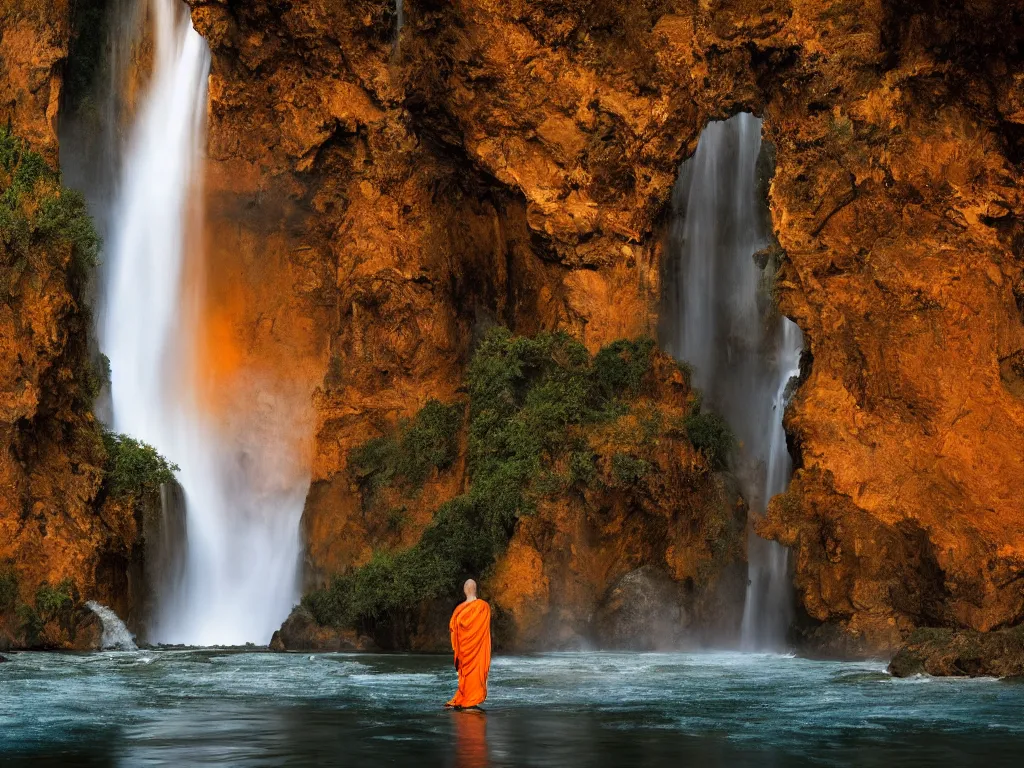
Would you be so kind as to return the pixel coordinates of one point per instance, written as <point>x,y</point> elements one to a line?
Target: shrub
<point>629,470</point>
<point>97,376</point>
<point>581,467</point>
<point>710,434</point>
<point>39,218</point>
<point>406,459</point>
<point>622,365</point>
<point>133,467</point>
<point>8,589</point>
<point>525,396</point>
<point>55,602</point>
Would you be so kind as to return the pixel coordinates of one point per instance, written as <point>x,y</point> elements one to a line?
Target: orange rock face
<point>34,38</point>
<point>514,163</point>
<point>373,206</point>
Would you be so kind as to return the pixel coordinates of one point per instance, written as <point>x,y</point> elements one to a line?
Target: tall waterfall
<point>743,354</point>
<point>240,573</point>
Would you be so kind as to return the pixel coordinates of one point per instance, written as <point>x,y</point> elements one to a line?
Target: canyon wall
<point>377,199</point>
<point>66,535</point>
<point>511,163</point>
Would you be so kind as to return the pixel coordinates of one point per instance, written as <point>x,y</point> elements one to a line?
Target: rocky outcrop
<point>896,198</point>
<point>649,553</point>
<point>961,653</point>
<point>383,205</point>
<point>34,41</point>
<point>300,632</point>
<point>64,538</point>
<point>372,208</point>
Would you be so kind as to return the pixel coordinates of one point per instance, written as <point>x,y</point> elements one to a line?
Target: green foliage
<point>621,366</point>
<point>133,467</point>
<point>55,602</point>
<point>629,470</point>
<point>710,434</point>
<point>525,396</point>
<point>31,624</point>
<point>8,589</point>
<point>97,376</point>
<point>581,467</point>
<point>39,218</point>
<point>430,440</point>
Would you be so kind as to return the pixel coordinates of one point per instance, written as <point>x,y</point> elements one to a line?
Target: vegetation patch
<point>629,470</point>
<point>52,604</point>
<point>710,434</point>
<point>42,223</point>
<point>526,396</point>
<point>8,589</point>
<point>406,459</point>
<point>134,467</point>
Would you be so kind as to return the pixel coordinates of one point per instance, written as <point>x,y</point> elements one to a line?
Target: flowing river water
<point>230,707</point>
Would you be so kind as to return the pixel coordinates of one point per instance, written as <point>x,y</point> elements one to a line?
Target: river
<point>234,707</point>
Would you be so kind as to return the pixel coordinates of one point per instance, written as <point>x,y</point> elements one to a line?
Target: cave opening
<point>720,317</point>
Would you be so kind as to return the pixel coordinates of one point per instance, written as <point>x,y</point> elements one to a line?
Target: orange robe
<point>470,629</point>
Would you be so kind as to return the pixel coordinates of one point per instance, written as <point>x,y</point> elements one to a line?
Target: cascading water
<point>742,353</point>
<point>116,636</point>
<point>240,573</point>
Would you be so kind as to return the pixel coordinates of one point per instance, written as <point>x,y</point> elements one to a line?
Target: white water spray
<point>743,355</point>
<point>243,503</point>
<point>116,636</point>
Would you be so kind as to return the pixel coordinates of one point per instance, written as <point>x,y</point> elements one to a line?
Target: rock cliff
<point>72,518</point>
<point>512,163</point>
<point>377,199</point>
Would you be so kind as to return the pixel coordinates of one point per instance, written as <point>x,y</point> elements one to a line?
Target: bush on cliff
<point>8,589</point>
<point>525,396</point>
<point>710,434</point>
<point>41,221</point>
<point>134,467</point>
<point>428,441</point>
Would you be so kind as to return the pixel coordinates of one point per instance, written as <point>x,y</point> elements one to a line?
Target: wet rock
<point>300,632</point>
<point>954,653</point>
<point>640,612</point>
<point>88,633</point>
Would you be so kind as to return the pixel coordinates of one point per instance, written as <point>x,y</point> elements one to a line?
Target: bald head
<point>469,588</point>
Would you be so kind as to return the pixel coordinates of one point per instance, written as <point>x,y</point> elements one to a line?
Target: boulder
<point>642,612</point>
<point>300,632</point>
<point>961,653</point>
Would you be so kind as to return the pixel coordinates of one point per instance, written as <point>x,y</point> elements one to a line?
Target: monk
<point>470,629</point>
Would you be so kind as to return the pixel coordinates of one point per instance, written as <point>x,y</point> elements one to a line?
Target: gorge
<point>366,215</point>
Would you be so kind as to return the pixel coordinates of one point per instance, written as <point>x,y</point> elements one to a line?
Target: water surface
<point>230,707</point>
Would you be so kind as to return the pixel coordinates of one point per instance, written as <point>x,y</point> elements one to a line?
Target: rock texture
<point>34,40</point>
<point>961,653</point>
<point>512,164</point>
<point>58,529</point>
<point>300,632</point>
<point>373,207</point>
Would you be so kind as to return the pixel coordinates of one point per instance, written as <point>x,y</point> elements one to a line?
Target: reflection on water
<point>470,739</point>
<point>217,707</point>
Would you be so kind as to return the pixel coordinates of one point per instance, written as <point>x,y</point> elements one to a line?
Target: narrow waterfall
<point>116,636</point>
<point>742,352</point>
<point>239,578</point>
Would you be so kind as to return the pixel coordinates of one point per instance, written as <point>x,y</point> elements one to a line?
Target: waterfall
<point>743,354</point>
<point>239,576</point>
<point>116,636</point>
